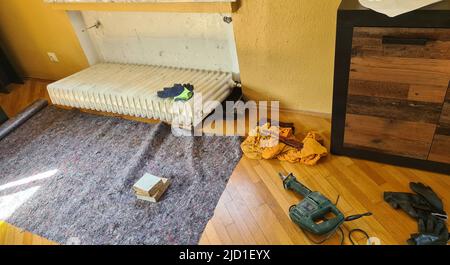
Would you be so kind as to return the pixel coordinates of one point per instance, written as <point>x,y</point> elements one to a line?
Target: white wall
<point>85,40</point>
<point>188,40</point>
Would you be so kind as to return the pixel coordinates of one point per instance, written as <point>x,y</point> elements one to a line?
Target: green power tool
<point>310,214</point>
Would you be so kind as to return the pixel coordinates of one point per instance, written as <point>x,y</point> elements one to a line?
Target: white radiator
<point>131,90</point>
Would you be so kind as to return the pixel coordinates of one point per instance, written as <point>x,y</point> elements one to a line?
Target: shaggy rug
<point>68,176</point>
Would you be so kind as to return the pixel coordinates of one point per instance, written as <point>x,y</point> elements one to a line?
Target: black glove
<point>427,208</point>
<point>412,204</point>
<point>429,195</point>
<point>432,231</point>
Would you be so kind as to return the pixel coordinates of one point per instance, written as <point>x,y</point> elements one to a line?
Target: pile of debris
<point>279,142</point>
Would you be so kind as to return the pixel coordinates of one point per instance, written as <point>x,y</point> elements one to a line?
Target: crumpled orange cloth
<point>262,143</point>
<point>312,150</point>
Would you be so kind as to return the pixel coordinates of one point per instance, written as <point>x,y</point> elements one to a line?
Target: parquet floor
<point>254,206</point>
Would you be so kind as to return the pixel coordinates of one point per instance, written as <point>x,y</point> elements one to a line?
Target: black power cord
<point>357,230</point>
<point>353,218</point>
<point>357,216</point>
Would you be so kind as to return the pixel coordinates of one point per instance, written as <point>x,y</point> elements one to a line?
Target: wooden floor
<point>254,206</point>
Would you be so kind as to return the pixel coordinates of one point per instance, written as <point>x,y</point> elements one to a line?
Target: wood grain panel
<point>401,70</point>
<point>440,151</point>
<point>445,117</point>
<point>447,98</point>
<point>374,32</point>
<point>441,130</point>
<point>399,80</point>
<point>394,109</point>
<point>428,93</point>
<point>411,139</point>
<point>369,42</point>
<point>378,89</point>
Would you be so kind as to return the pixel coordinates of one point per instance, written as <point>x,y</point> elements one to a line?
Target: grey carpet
<point>15,122</point>
<point>89,199</point>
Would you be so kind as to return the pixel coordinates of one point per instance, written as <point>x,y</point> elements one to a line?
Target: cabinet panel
<point>398,82</point>
<point>440,151</point>
<point>402,110</point>
<point>409,139</point>
<point>402,70</point>
<point>402,42</point>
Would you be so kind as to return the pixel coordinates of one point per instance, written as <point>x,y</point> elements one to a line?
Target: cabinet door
<point>440,151</point>
<point>397,86</point>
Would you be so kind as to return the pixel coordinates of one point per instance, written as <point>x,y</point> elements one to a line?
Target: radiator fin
<point>131,90</point>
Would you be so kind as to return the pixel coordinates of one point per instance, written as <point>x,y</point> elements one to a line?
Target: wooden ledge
<point>192,7</point>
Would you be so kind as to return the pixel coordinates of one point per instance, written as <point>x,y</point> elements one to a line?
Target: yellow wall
<point>286,51</point>
<point>285,47</point>
<point>29,29</point>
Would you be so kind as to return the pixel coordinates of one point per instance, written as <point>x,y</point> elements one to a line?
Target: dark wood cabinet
<point>8,74</point>
<point>391,92</point>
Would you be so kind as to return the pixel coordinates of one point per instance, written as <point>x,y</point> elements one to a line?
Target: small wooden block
<point>158,194</point>
<point>148,185</point>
